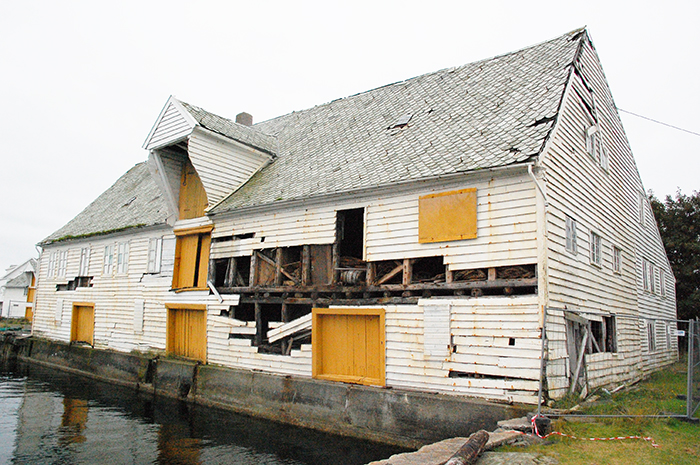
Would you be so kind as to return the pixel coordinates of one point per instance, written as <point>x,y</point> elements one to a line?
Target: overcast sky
<point>83,82</point>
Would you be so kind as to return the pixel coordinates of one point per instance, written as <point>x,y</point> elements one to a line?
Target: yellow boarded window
<point>448,216</point>
<point>192,258</point>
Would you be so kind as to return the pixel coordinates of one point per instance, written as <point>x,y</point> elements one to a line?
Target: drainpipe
<point>542,257</point>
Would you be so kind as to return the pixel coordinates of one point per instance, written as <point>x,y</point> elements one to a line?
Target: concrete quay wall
<point>394,416</point>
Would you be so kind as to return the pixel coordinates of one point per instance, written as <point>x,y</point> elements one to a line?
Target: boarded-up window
<point>193,198</point>
<point>448,216</point>
<point>83,323</point>
<point>187,331</point>
<point>192,258</point>
<point>348,345</point>
<point>437,334</point>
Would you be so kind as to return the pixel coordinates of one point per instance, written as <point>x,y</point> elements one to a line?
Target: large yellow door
<point>348,345</point>
<point>83,323</point>
<point>187,332</point>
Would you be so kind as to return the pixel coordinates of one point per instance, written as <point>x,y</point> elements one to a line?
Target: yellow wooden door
<point>83,323</point>
<point>348,345</point>
<point>31,292</point>
<point>187,333</point>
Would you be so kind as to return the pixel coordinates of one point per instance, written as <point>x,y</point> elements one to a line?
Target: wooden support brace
<point>391,274</point>
<point>230,278</point>
<point>258,325</point>
<point>449,276</point>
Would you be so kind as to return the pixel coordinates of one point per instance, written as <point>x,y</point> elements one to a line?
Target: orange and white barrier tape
<point>534,429</point>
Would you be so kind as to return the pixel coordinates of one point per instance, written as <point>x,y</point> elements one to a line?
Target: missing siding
<point>472,375</point>
<point>80,281</point>
<point>350,232</point>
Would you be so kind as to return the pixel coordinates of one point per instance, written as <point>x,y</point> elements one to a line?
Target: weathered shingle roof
<point>239,132</point>
<point>133,201</point>
<point>486,114</point>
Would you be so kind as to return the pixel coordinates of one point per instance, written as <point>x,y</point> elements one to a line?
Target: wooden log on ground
<point>469,453</point>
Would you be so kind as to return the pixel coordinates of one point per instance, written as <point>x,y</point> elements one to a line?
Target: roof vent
<point>246,119</point>
<point>401,122</point>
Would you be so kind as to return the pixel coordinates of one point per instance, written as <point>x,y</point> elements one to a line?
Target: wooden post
<point>278,266</point>
<point>371,273</point>
<point>407,271</point>
<point>469,453</point>
<point>211,275</point>
<point>258,325</point>
<point>492,274</point>
<point>449,275</point>
<point>253,266</point>
<point>305,265</point>
<point>336,262</point>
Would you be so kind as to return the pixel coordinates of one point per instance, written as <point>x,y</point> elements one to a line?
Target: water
<point>52,417</point>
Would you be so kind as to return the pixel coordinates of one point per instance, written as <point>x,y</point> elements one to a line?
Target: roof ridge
<point>573,34</point>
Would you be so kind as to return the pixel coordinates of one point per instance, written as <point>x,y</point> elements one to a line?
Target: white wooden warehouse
<point>411,236</point>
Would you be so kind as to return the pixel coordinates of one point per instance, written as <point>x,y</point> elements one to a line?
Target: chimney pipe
<point>245,119</point>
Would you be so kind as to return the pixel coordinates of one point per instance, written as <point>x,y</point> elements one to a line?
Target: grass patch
<point>14,323</point>
<point>679,441</point>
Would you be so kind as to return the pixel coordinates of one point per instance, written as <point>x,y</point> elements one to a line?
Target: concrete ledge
<point>394,416</point>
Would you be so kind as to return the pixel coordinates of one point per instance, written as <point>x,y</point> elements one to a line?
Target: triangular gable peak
<point>225,154</point>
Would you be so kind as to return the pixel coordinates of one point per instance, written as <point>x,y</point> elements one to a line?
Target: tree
<point>679,224</point>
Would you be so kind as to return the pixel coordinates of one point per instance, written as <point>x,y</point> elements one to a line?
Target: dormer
<point>191,142</point>
<point>198,159</point>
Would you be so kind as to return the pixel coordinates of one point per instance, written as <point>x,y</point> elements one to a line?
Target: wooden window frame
<point>617,259</point>
<point>596,249</point>
<point>108,260</point>
<point>122,253</point>
<point>84,269</point>
<point>62,263</point>
<point>200,265</point>
<point>571,235</point>
<point>155,255</point>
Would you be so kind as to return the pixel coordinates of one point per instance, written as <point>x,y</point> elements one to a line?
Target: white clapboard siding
<point>222,165</point>
<point>129,310</point>
<point>599,201</point>
<point>172,125</point>
<point>506,226</point>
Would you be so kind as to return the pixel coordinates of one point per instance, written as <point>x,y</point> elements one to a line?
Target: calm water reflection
<point>50,417</point>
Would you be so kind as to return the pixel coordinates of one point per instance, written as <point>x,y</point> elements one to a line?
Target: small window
<point>155,254</point>
<point>84,262</point>
<point>122,257</point>
<point>617,259</point>
<point>662,283</point>
<point>595,146</point>
<point>571,244</point>
<point>62,262</point>
<point>647,275</point>
<point>53,264</point>
<point>595,248</point>
<point>651,336</point>
<point>642,209</point>
<point>108,264</point>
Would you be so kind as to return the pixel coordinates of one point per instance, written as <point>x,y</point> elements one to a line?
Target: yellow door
<point>348,345</point>
<point>29,312</point>
<point>83,323</point>
<point>187,333</point>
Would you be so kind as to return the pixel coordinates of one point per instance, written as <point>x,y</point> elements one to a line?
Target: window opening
<point>617,259</point>
<point>595,248</point>
<point>651,336</point>
<point>603,334</point>
<point>571,244</point>
<point>351,232</point>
